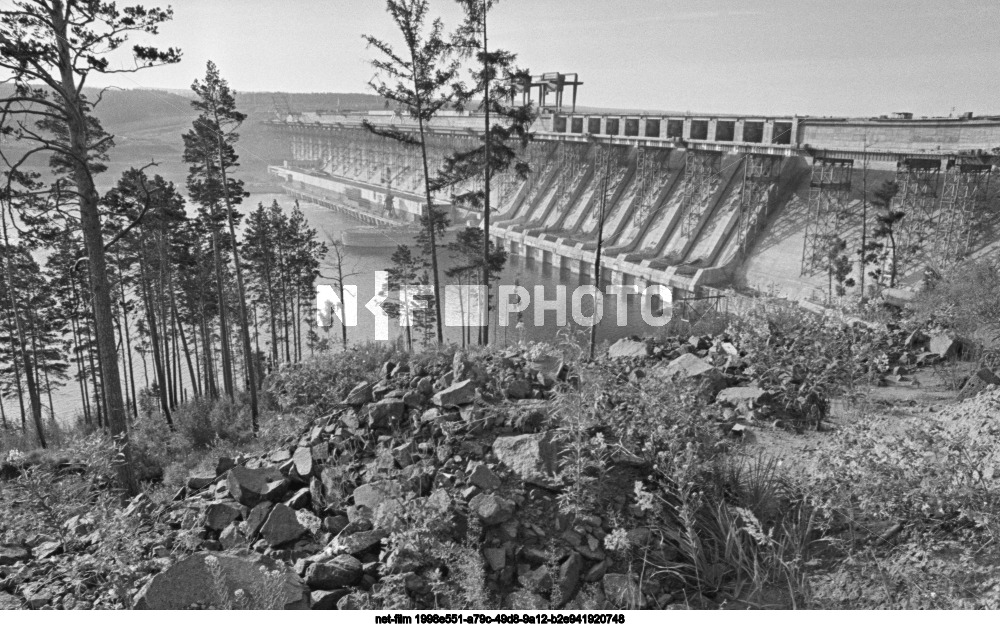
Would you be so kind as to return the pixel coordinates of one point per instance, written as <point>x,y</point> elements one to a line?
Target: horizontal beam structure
<point>871,139</point>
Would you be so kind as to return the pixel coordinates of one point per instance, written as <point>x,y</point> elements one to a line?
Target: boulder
<point>977,383</point>
<point>521,600</point>
<point>569,577</point>
<point>256,518</point>
<point>425,386</point>
<point>916,340</point>
<point>8,602</point>
<point>457,394</point>
<point>462,368</point>
<point>303,459</point>
<point>944,345</point>
<point>282,526</point>
<point>386,413</point>
<point>531,456</point>
<point>492,509</point>
<point>355,601</point>
<point>335,524</point>
<point>413,399</point>
<point>549,367</point>
<point>629,348</point>
<point>518,389</point>
<point>356,543</point>
<point>484,477</point>
<point>191,582</point>
<point>596,573</point>
<point>537,580</point>
<point>219,515</point>
<point>342,571</point>
<point>249,486</point>
<point>46,549</point>
<point>198,481</point>
<point>742,394</point>
<point>495,557</point>
<point>359,395</point>
<point>373,494</point>
<point>327,600</point>
<point>685,366</point>
<point>11,554</point>
<point>279,456</point>
<point>232,537</point>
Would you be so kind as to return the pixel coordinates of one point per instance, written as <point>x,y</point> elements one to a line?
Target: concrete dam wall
<point>691,202</point>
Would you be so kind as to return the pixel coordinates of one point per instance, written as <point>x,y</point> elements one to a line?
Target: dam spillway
<point>694,202</point>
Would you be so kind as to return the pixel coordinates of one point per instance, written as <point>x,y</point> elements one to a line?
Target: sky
<point>768,57</point>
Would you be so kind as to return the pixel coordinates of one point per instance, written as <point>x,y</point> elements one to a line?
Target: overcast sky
<point>818,57</point>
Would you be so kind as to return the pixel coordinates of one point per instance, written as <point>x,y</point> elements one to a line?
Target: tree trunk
<point>155,341</point>
<point>29,372</point>
<point>128,346</point>
<point>17,374</point>
<point>242,295</point>
<point>99,412</point>
<point>485,329</point>
<point>431,224</point>
<point>227,363</point>
<point>90,222</point>
<point>187,351</point>
<point>597,257</point>
<point>270,307</point>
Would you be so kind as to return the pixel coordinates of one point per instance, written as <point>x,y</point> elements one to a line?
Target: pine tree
<point>50,48</point>
<point>419,80</point>
<point>217,105</point>
<point>496,80</point>
<point>468,265</point>
<point>405,271</point>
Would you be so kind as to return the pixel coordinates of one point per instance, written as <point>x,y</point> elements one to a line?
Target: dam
<point>701,203</point>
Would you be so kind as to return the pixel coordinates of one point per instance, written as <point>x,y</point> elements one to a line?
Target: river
<point>365,267</point>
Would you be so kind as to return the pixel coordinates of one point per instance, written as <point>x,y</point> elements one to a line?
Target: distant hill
<point>148,124</point>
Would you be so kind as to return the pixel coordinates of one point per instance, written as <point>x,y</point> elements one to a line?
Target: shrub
<point>966,300</point>
<point>316,385</point>
<point>807,359</point>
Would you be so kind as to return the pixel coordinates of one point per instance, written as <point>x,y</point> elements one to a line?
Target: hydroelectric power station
<point>696,202</point>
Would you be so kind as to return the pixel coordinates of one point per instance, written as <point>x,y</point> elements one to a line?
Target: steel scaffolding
<point>829,209</point>
<point>573,166</point>
<point>917,198</point>
<point>964,204</point>
<point>650,171</point>
<point>701,172</point>
<point>760,173</point>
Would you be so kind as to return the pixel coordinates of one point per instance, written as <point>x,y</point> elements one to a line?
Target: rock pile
<point>461,448</point>
<point>723,371</point>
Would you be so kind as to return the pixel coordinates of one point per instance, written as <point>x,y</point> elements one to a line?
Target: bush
<point>967,301</point>
<point>315,386</point>
<point>806,358</point>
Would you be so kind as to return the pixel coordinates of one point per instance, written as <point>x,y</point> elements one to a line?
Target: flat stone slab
<point>738,394</point>
<point>191,582</point>
<point>628,348</point>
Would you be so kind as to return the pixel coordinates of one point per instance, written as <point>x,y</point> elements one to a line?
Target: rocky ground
<point>423,480</point>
